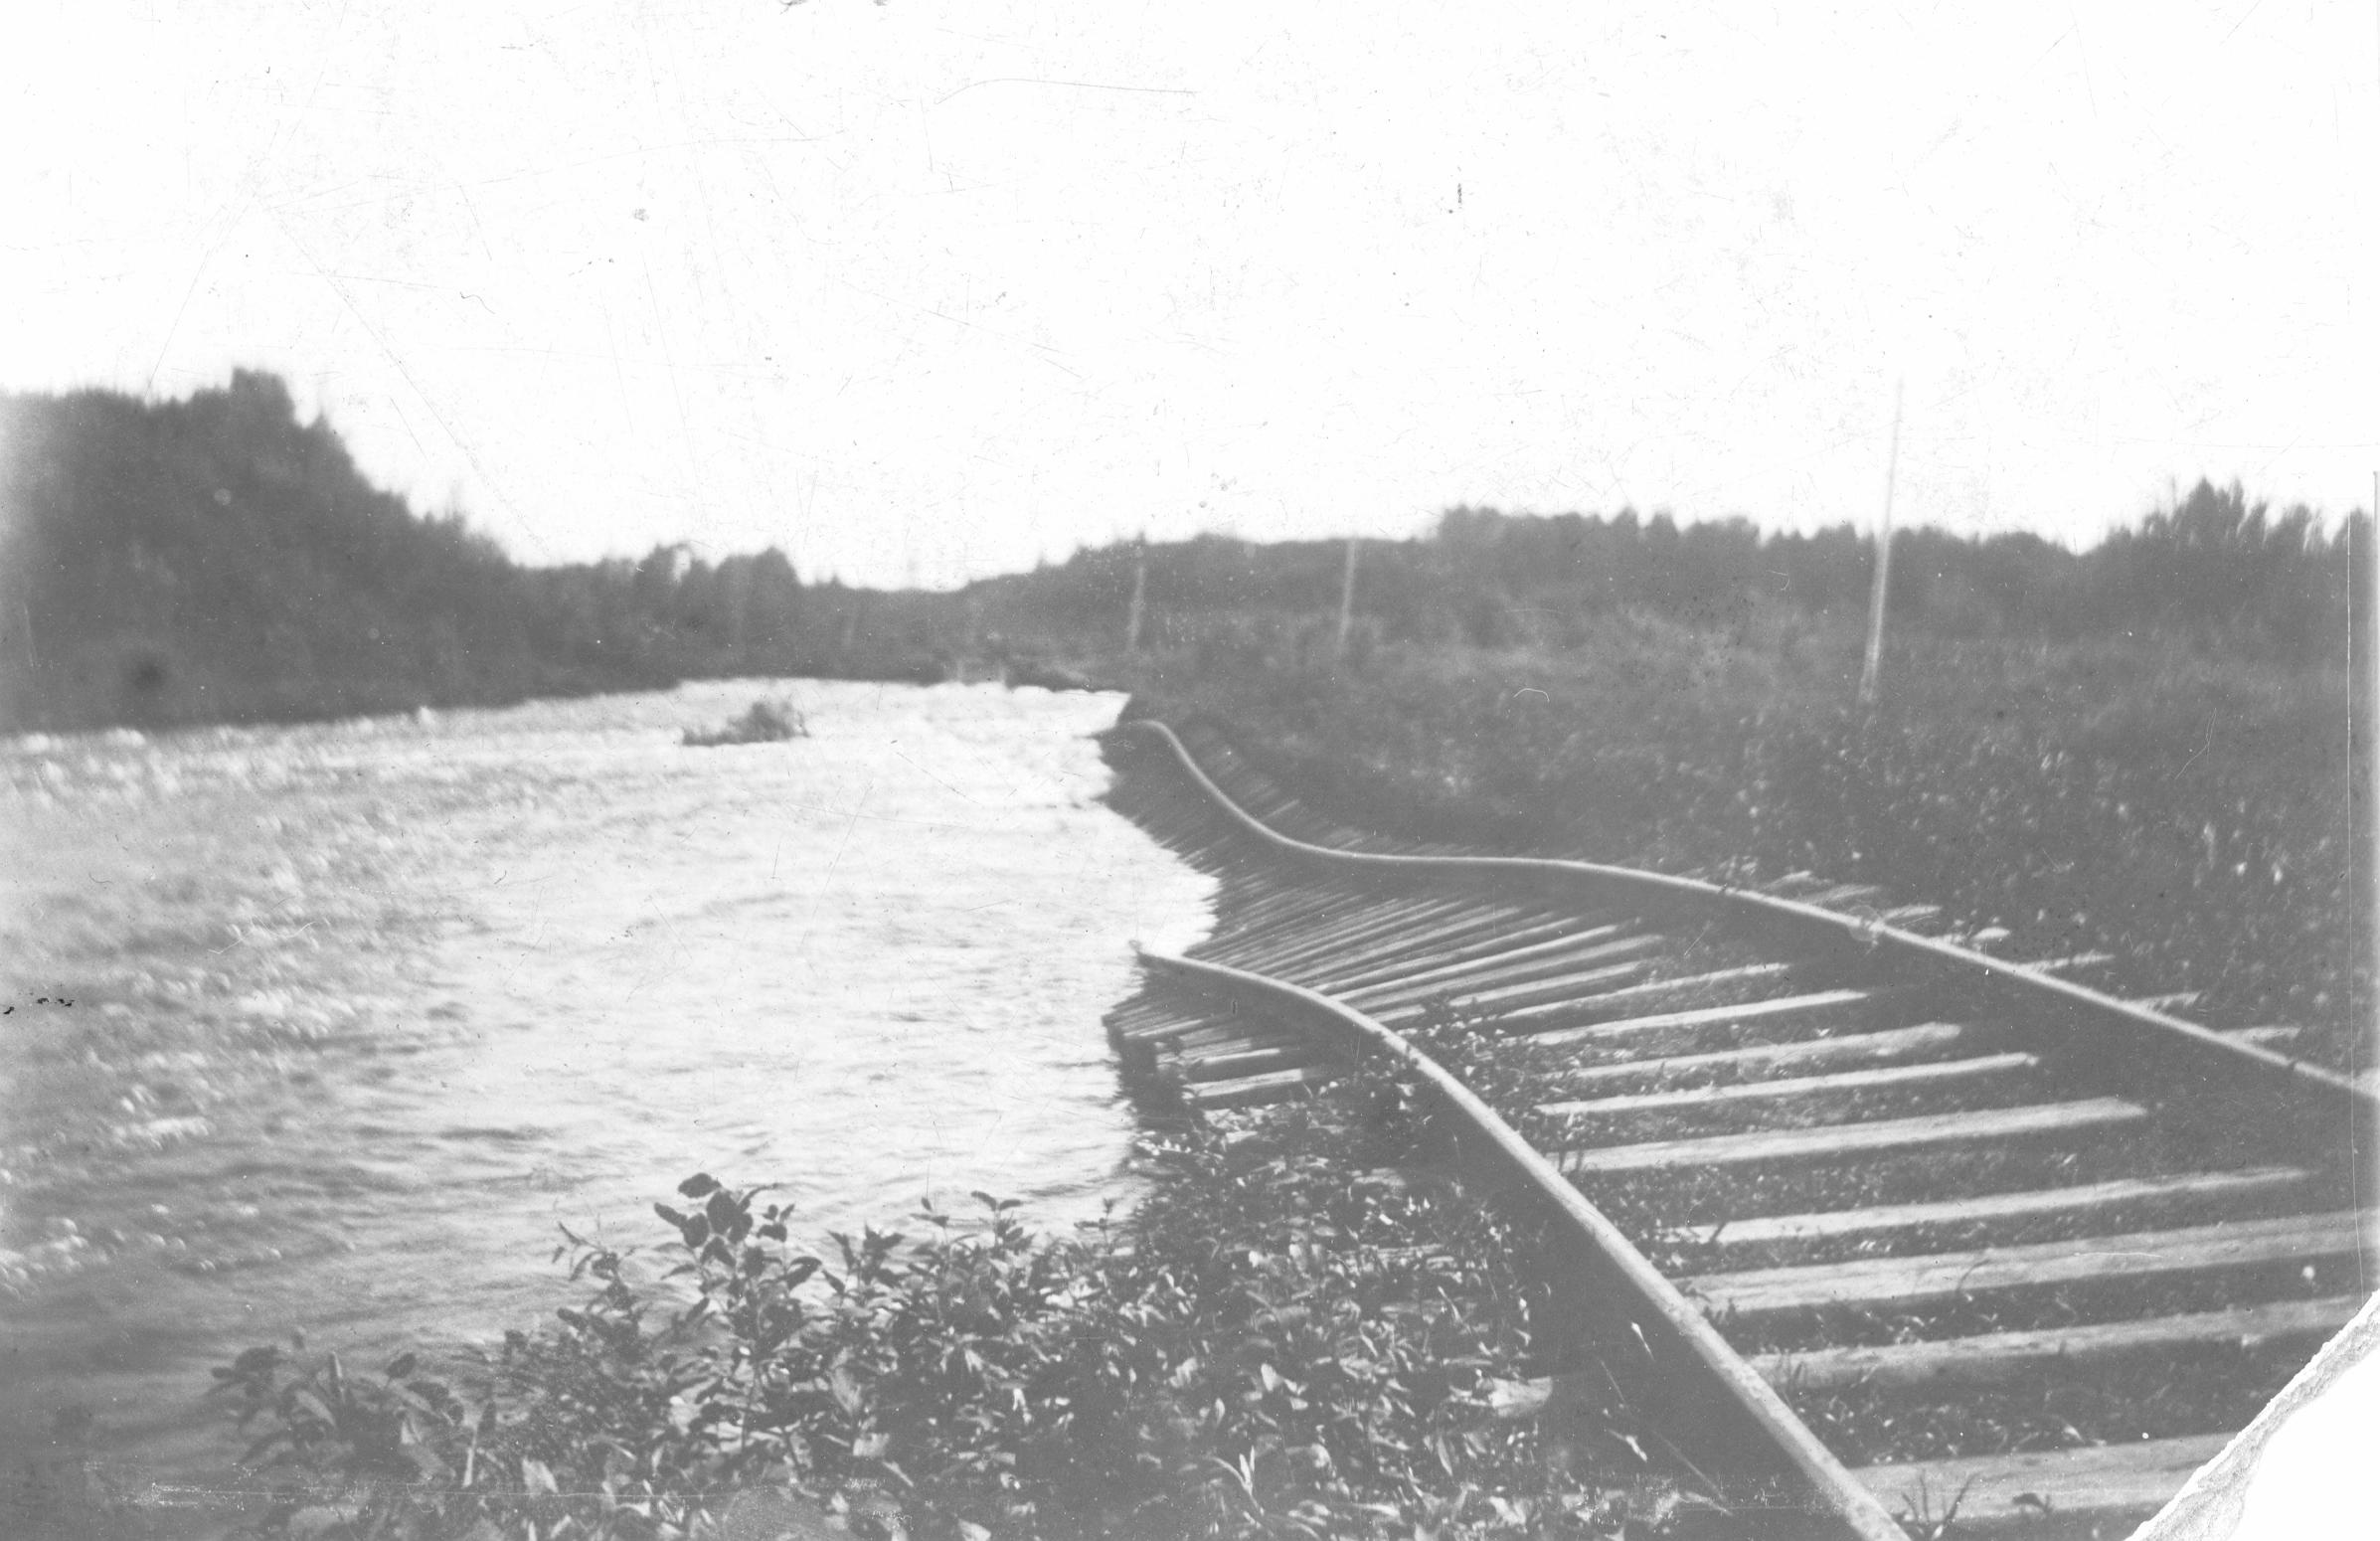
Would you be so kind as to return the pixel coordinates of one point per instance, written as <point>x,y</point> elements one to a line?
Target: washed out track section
<point>1950,1231</point>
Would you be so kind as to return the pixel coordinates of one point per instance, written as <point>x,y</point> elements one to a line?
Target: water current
<point>327,1028</point>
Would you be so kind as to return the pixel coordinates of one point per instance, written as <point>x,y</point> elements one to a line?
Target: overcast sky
<point>940,290</point>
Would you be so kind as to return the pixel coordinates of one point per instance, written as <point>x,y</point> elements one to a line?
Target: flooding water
<point>328,1027</point>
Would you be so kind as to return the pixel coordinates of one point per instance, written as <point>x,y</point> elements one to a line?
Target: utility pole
<point>1348,594</point>
<point>1140,595</point>
<point>2363,888</point>
<point>1884,563</point>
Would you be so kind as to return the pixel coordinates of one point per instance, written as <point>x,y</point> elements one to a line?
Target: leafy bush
<point>1280,1340</point>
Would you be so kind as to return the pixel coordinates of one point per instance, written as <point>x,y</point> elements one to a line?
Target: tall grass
<point>2184,812</point>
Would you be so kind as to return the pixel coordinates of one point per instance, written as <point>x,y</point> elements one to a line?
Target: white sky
<point>964,286</point>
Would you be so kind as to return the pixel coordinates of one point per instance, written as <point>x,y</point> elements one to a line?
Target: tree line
<point>2217,570</point>
<point>217,559</point>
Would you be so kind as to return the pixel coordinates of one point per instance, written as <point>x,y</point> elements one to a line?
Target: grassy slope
<point>2188,814</point>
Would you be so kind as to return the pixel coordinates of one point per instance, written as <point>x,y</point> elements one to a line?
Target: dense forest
<point>215,559</point>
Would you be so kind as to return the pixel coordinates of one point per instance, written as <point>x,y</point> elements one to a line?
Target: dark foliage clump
<point>216,559</point>
<point>1282,1339</point>
<point>766,722</point>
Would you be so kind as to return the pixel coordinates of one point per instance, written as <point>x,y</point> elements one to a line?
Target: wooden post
<point>1884,564</point>
<point>1139,595</point>
<point>2363,888</point>
<point>1347,596</point>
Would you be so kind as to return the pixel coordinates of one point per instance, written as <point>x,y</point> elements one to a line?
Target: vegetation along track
<point>1929,1233</point>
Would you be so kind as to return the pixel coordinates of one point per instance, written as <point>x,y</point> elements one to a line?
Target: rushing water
<point>328,1027</point>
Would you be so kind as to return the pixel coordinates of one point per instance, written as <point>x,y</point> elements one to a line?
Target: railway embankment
<point>1970,1237</point>
<point>2181,811</point>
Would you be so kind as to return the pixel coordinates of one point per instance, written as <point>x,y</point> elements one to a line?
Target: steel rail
<point>1704,1391</point>
<point>1674,1324</point>
<point>1826,926</point>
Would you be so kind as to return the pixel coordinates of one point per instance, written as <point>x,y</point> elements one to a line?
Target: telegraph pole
<point>1140,595</point>
<point>2363,888</point>
<point>1884,563</point>
<point>1348,594</point>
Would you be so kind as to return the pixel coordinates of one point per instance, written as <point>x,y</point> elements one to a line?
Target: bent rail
<point>1869,1137</point>
<point>1677,1333</point>
<point>2190,1039</point>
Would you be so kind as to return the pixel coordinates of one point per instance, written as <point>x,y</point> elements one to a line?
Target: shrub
<point>1278,1341</point>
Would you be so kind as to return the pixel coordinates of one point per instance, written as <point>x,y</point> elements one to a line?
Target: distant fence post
<point>1884,564</point>
<point>1347,596</point>
<point>1139,595</point>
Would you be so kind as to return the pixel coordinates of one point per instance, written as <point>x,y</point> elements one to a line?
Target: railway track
<point>1924,1232</point>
